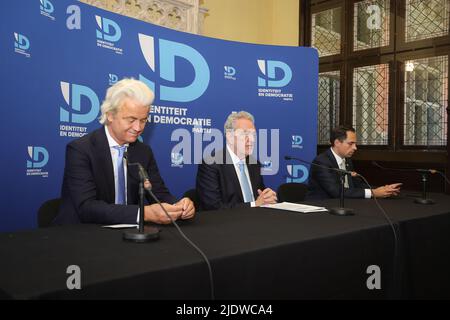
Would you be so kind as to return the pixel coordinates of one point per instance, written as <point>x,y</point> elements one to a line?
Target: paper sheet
<point>295,207</point>
<point>121,226</point>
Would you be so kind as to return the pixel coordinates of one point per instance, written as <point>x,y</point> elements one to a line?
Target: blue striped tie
<point>120,197</point>
<point>246,191</point>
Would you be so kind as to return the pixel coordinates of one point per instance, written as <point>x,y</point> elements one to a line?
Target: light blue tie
<point>247,192</point>
<point>344,167</point>
<point>120,176</point>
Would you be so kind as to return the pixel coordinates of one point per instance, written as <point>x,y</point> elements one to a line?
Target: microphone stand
<point>424,172</point>
<point>341,211</point>
<point>424,199</point>
<point>143,233</point>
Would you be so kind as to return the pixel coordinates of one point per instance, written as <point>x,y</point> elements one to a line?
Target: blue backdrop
<point>57,58</point>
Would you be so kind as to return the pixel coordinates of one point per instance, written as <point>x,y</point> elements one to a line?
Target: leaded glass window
<point>371,24</point>
<point>426,19</point>
<point>326,32</point>
<point>370,104</point>
<point>329,98</point>
<point>426,100</point>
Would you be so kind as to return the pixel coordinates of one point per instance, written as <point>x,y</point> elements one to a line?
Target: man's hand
<point>188,208</point>
<point>154,213</point>
<point>386,191</point>
<point>268,196</point>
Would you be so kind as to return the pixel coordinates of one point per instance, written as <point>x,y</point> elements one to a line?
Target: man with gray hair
<point>97,186</point>
<point>232,177</point>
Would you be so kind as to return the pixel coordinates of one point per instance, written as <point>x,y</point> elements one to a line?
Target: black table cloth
<point>255,253</point>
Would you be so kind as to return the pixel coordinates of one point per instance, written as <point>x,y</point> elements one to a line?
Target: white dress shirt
<point>114,154</point>
<point>340,161</point>
<point>236,162</point>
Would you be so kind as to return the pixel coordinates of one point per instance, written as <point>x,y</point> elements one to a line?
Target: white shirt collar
<point>234,157</point>
<point>339,160</point>
<point>111,142</point>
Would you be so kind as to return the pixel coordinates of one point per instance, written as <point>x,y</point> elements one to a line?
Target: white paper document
<point>121,226</point>
<point>295,207</point>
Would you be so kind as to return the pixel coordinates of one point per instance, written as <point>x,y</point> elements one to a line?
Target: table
<point>255,253</point>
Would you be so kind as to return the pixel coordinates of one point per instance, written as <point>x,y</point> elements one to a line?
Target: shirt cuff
<point>137,219</point>
<point>253,204</point>
<point>368,193</point>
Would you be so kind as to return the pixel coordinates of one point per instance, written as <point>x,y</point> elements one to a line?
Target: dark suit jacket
<point>324,184</point>
<point>88,193</point>
<point>218,184</point>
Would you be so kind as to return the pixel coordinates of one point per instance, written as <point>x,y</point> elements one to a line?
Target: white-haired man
<point>234,178</point>
<point>97,187</point>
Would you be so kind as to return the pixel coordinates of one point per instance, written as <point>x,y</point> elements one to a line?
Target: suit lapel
<point>103,155</point>
<point>349,167</point>
<point>253,173</point>
<point>132,174</point>
<point>332,159</point>
<point>230,172</point>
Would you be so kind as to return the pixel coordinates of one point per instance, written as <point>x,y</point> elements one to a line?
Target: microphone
<point>142,172</point>
<point>341,211</point>
<point>321,166</point>
<point>424,172</point>
<point>432,171</point>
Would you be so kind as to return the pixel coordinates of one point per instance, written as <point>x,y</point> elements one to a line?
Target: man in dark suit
<point>97,186</point>
<point>324,183</point>
<point>231,177</point>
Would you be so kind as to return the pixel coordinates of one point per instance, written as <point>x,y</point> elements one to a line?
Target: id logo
<point>266,165</point>
<point>297,142</point>
<point>47,9</point>
<point>108,33</point>
<point>269,70</point>
<point>21,44</point>
<point>113,79</point>
<point>38,159</point>
<point>229,73</point>
<point>73,94</point>
<point>277,75</point>
<point>298,173</point>
<point>169,52</point>
<point>177,159</point>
